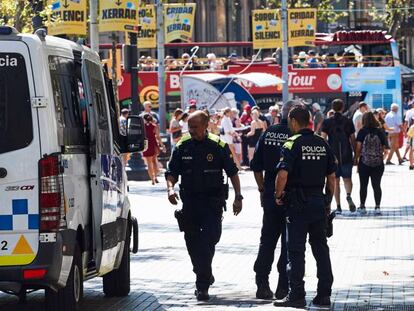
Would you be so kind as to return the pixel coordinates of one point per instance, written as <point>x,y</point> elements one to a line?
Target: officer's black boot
<point>202,294</point>
<point>323,301</point>
<point>263,288</point>
<point>291,302</point>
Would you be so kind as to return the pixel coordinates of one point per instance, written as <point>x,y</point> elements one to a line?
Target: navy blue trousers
<point>311,220</point>
<point>273,229</point>
<point>206,218</point>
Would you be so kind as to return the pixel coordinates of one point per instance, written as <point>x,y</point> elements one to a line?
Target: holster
<point>329,224</point>
<point>181,220</point>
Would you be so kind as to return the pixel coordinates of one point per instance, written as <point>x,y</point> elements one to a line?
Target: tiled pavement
<point>372,256</point>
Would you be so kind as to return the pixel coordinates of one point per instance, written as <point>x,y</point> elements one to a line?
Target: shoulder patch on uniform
<point>290,141</point>
<point>183,139</point>
<point>216,139</point>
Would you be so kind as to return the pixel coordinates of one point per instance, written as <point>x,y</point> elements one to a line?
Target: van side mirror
<point>136,138</point>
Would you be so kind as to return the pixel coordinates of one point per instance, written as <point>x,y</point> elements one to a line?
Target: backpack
<point>371,154</point>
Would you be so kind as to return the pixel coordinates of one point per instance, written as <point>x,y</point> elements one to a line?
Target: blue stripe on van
<point>33,222</point>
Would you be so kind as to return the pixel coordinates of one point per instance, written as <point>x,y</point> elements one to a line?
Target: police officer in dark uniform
<point>199,158</point>
<point>266,158</point>
<point>306,166</point>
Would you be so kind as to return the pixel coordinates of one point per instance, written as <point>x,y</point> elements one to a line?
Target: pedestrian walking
<point>257,127</point>
<point>370,146</point>
<point>175,127</point>
<point>393,121</point>
<point>266,158</point>
<point>357,117</point>
<point>318,118</point>
<point>228,133</point>
<point>307,166</point>
<point>200,158</point>
<point>340,133</point>
<point>152,133</point>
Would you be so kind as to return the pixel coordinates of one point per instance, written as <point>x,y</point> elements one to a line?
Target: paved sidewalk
<point>372,256</point>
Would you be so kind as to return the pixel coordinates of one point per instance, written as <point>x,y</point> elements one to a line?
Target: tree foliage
<point>17,13</point>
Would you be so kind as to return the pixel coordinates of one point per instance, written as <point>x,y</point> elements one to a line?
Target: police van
<point>64,210</point>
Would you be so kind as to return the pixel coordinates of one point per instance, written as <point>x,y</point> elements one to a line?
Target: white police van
<point>64,210</point>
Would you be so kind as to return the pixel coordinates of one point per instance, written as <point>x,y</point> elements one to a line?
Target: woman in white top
<point>227,133</point>
<point>184,123</point>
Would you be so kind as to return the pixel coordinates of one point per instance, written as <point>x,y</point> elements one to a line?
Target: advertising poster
<point>382,84</point>
<point>179,22</point>
<point>68,17</point>
<point>147,34</point>
<point>267,29</point>
<point>117,15</point>
<point>301,27</point>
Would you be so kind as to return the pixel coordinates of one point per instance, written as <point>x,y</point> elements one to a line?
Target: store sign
<point>179,22</point>
<point>117,15</point>
<point>267,29</point>
<point>301,27</point>
<point>67,17</point>
<point>147,34</point>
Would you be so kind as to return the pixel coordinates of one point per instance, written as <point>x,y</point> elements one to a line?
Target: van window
<point>70,109</point>
<point>98,94</point>
<point>16,127</point>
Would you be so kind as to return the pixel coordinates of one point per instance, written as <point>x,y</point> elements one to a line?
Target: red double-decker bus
<point>352,65</point>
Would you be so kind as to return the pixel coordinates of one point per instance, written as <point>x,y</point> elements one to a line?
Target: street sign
<point>67,17</point>
<point>118,15</point>
<point>267,29</point>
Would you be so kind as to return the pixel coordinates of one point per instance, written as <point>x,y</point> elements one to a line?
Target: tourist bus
<point>351,65</point>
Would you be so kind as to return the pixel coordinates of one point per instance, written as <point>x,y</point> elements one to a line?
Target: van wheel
<point>69,297</point>
<point>117,282</point>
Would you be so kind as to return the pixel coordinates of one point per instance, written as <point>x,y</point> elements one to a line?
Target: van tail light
<point>51,197</point>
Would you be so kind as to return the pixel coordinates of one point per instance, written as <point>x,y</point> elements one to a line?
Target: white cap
<point>316,106</point>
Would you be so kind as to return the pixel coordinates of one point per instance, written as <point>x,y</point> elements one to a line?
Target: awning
<point>407,73</point>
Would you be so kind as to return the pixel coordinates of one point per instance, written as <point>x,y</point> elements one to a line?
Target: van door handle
<point>3,172</point>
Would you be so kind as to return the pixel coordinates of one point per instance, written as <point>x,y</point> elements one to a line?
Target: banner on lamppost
<point>267,29</point>
<point>301,27</point>
<point>117,15</point>
<point>67,17</point>
<point>147,33</point>
<point>179,21</point>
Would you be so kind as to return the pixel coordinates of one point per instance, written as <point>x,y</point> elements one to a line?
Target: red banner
<point>320,80</point>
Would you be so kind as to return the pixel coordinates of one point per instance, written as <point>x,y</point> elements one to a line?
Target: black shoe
<point>212,280</point>
<point>264,292</point>
<point>280,293</point>
<point>411,167</point>
<point>323,301</point>
<point>202,295</point>
<point>351,204</point>
<point>389,163</point>
<point>287,302</point>
<point>338,210</point>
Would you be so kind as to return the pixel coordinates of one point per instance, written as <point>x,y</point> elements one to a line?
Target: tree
<point>17,13</point>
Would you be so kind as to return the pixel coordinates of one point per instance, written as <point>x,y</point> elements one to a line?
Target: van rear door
<point>19,155</point>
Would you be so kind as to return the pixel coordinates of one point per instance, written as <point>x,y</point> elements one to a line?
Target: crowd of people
<point>309,59</point>
<point>351,138</point>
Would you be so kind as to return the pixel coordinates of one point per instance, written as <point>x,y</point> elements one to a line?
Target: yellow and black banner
<point>118,15</point>
<point>147,34</point>
<point>179,22</point>
<point>67,17</point>
<point>301,27</point>
<point>267,29</point>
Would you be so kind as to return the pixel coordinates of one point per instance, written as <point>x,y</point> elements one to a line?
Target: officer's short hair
<point>300,114</point>
<point>203,117</point>
<point>338,105</point>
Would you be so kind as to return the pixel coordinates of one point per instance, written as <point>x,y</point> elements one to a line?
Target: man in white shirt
<point>393,121</point>
<point>357,118</point>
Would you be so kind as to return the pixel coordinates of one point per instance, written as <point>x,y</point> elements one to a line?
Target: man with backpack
<point>340,132</point>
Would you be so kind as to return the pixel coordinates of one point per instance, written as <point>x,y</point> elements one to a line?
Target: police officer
<point>266,158</point>
<point>199,158</point>
<point>307,164</point>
